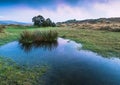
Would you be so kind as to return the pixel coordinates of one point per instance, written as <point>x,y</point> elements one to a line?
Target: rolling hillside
<point>8,22</point>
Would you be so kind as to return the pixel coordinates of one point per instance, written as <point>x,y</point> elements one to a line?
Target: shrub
<point>105,28</point>
<point>115,30</point>
<point>2,28</point>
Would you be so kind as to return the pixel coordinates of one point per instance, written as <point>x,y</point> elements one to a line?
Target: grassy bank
<point>13,33</point>
<point>103,42</point>
<point>12,74</point>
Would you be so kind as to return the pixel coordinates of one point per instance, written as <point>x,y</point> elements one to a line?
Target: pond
<point>69,63</point>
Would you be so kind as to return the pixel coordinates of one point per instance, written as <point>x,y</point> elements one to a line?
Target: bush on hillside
<point>109,28</point>
<point>2,28</point>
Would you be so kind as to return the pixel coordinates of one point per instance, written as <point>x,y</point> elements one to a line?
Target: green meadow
<point>103,42</point>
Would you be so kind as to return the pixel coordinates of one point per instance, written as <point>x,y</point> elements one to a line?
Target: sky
<point>58,10</point>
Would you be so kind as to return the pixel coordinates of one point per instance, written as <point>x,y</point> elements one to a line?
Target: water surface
<point>68,65</point>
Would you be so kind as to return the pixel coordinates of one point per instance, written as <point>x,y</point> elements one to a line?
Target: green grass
<point>13,33</point>
<point>12,74</point>
<point>105,43</point>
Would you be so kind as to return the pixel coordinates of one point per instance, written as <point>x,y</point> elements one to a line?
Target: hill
<point>93,21</point>
<point>8,22</point>
<point>110,24</point>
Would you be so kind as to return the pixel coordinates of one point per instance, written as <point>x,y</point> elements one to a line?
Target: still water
<point>69,63</point>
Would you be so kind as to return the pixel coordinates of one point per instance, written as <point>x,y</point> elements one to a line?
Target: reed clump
<point>38,36</point>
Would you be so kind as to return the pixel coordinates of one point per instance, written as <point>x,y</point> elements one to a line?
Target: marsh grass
<point>45,36</point>
<point>26,37</point>
<point>12,74</point>
<point>38,36</point>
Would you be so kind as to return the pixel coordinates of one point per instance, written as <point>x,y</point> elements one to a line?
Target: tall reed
<point>26,37</point>
<point>38,36</point>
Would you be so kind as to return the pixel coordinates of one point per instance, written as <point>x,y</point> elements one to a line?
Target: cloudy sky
<point>58,10</point>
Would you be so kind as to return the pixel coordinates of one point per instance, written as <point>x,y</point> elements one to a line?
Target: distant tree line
<point>42,22</point>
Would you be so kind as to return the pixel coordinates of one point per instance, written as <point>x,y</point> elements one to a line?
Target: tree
<point>38,20</point>
<point>53,24</point>
<point>48,22</point>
